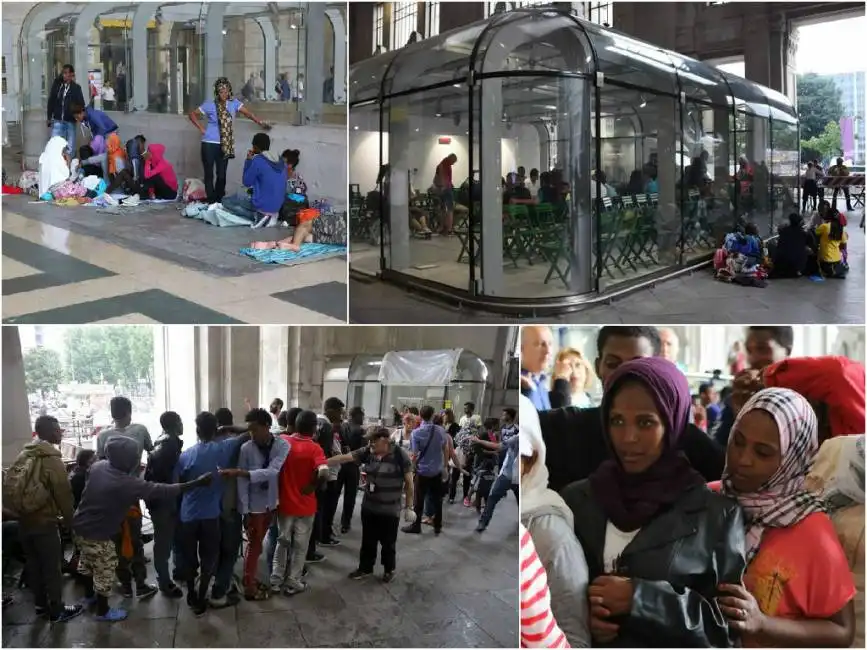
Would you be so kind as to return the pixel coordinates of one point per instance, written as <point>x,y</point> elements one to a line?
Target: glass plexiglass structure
<point>586,160</point>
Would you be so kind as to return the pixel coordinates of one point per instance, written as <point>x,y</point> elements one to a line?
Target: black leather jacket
<point>675,563</point>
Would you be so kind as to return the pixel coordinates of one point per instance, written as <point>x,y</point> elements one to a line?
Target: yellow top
<point>829,251</point>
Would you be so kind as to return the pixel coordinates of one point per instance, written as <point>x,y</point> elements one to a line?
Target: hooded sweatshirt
<point>837,382</point>
<point>111,490</point>
<point>157,165</point>
<point>99,122</point>
<point>54,476</point>
<point>549,521</point>
<point>266,175</point>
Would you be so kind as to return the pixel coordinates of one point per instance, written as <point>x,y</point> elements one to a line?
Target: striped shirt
<point>539,629</point>
<point>385,480</point>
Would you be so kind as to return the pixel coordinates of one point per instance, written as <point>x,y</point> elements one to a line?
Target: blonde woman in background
<point>580,375</point>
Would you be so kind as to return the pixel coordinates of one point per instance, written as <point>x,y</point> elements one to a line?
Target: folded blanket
<point>275,256</point>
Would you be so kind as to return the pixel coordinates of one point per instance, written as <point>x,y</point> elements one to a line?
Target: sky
<point>815,43</point>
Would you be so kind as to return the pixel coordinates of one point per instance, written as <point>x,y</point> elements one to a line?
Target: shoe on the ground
<point>41,611</point>
<point>145,590</point>
<point>219,603</point>
<point>132,201</point>
<point>481,528</point>
<point>200,609</point>
<point>412,529</point>
<point>293,588</point>
<point>305,571</point>
<point>276,589</point>
<point>66,613</point>
<point>388,576</point>
<point>345,529</point>
<point>315,558</point>
<point>467,503</point>
<point>330,542</point>
<point>437,531</point>
<point>427,521</point>
<point>126,591</point>
<point>113,615</point>
<point>358,574</point>
<point>172,591</point>
<point>451,502</point>
<point>109,199</point>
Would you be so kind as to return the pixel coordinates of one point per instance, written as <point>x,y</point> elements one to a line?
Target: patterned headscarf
<point>224,118</point>
<point>784,500</point>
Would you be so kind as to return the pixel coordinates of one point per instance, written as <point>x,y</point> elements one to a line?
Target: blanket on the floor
<point>308,253</point>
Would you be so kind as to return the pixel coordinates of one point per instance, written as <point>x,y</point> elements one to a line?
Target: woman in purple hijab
<point>657,540</point>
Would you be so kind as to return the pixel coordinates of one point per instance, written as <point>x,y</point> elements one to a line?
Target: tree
<point>43,371</point>
<point>818,103</point>
<point>118,355</point>
<point>825,145</point>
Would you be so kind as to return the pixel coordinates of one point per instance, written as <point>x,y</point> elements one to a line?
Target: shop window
<point>492,8</point>
<point>378,25</point>
<point>404,21</point>
<point>432,20</point>
<point>601,13</point>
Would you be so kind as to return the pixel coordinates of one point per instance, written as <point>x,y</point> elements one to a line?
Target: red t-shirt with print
<point>305,457</point>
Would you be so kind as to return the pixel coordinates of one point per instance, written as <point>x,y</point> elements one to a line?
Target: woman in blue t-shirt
<point>218,137</point>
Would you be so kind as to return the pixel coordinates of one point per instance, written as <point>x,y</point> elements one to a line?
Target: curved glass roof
<point>549,41</point>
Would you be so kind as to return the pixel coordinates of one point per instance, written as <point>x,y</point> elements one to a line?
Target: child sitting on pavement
<point>265,175</point>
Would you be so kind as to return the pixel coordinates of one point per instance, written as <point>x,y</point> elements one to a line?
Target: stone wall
<point>323,148</point>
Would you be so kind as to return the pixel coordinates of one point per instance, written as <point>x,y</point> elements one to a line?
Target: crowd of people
<point>647,530</point>
<point>271,485</point>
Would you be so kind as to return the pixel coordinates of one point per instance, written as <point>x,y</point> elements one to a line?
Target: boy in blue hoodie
<point>98,122</point>
<point>265,174</point>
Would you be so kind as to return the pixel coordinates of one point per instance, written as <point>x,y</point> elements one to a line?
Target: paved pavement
<point>456,590</point>
<point>691,299</point>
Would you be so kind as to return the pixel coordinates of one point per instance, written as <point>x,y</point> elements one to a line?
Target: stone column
<point>311,367</point>
<point>234,53</point>
<point>211,361</point>
<point>315,60</point>
<point>399,134</point>
<point>213,46</point>
<point>489,253</point>
<point>17,428</point>
<point>274,363</point>
<point>668,219</point>
<point>337,22</point>
<point>241,371</point>
<point>269,36</point>
<point>175,371</point>
<point>144,12</point>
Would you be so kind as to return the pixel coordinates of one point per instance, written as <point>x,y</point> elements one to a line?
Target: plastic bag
<point>194,190</point>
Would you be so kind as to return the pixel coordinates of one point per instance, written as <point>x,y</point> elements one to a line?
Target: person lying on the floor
<point>265,174</point>
<point>98,122</point>
<point>159,181</point>
<point>53,164</point>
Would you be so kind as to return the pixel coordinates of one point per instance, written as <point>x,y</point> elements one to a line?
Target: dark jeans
<point>160,188</point>
<point>134,568</point>
<point>378,530</point>
<point>231,536</point>
<point>43,554</point>
<point>164,518</point>
<point>845,191</point>
<point>425,485</point>
<point>453,483</point>
<point>348,481</point>
<point>201,539</point>
<point>316,533</point>
<point>213,158</point>
<point>500,489</point>
<point>332,498</point>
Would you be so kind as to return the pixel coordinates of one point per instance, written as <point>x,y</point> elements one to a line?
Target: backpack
<point>24,491</point>
<point>330,228</point>
<point>133,152</point>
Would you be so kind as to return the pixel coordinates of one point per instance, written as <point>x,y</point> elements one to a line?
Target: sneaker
<point>358,574</point>
<point>315,558</point>
<point>345,529</point>
<point>172,591</point>
<point>388,576</point>
<point>132,201</point>
<point>481,528</point>
<point>330,542</point>
<point>218,603</point>
<point>113,615</point>
<point>467,503</point>
<point>200,609</point>
<point>109,200</point>
<point>66,613</point>
<point>296,588</point>
<point>126,591</point>
<point>145,590</point>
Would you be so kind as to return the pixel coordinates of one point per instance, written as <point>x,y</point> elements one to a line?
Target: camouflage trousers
<point>99,560</point>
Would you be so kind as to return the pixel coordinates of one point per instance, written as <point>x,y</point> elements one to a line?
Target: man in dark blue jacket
<point>98,122</point>
<point>64,93</point>
<point>265,175</point>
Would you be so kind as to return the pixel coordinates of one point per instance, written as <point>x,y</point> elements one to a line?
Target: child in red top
<point>539,628</point>
<point>798,590</point>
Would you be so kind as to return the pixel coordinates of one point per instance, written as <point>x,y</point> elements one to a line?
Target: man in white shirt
<point>470,419</point>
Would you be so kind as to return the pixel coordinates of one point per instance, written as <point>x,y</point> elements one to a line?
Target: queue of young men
<point>251,475</point>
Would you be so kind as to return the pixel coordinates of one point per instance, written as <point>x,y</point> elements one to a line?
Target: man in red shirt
<point>443,183</point>
<point>304,470</point>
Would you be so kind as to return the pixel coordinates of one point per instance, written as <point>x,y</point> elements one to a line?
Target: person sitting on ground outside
<point>832,244</point>
<point>53,164</point>
<point>90,162</point>
<point>111,490</point>
<point>98,122</point>
<point>119,172</point>
<point>159,180</point>
<point>294,181</point>
<point>265,175</point>
<point>790,256</point>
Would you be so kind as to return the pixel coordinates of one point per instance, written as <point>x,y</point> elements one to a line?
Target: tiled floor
<point>695,299</point>
<point>458,590</point>
<point>80,265</point>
